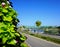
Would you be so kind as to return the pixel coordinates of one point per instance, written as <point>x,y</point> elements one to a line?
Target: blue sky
<point>46,11</point>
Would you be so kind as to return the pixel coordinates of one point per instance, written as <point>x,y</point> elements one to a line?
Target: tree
<point>38,23</point>
<point>9,37</point>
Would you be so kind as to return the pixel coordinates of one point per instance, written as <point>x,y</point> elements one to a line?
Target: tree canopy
<point>38,23</point>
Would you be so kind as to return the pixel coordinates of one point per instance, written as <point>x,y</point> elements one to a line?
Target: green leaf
<point>11,13</point>
<point>2,25</point>
<point>22,38</point>
<point>0,8</point>
<point>10,28</point>
<point>23,45</point>
<point>1,30</point>
<point>4,46</point>
<point>0,35</point>
<point>10,9</point>
<point>17,34</point>
<point>9,18</point>
<point>6,34</point>
<point>1,14</point>
<point>12,34</point>
<point>6,7</point>
<point>4,10</point>
<point>13,42</point>
<point>4,39</point>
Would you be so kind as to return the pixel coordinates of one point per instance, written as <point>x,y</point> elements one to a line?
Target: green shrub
<point>9,37</point>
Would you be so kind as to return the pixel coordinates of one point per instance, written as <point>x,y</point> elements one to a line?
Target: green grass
<point>47,38</point>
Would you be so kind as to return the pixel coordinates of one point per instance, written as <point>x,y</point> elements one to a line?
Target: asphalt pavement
<point>37,42</point>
